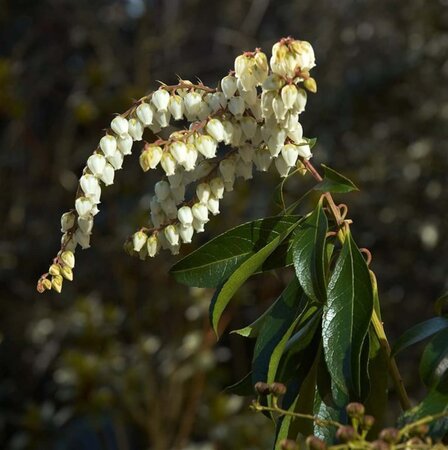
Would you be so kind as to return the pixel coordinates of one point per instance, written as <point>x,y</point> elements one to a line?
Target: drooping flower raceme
<point>253,116</point>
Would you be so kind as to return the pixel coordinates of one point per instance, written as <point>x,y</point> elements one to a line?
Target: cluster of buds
<point>250,120</point>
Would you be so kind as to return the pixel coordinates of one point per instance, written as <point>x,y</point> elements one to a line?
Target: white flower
<point>200,212</point>
<point>161,99</point>
<point>68,242</point>
<point>228,131</point>
<point>108,145</point>
<point>217,187</point>
<point>300,103</point>
<point>150,157</point>
<point>198,225</point>
<point>237,106</point>
<point>289,95</point>
<point>185,215</point>
<point>203,192</point>
<point>290,153</point>
<point>216,101</point>
<point>246,153</point>
<point>186,233</point>
<point>172,235</point>
<point>163,119</point>
<point>96,164</point>
<point>145,114</point>
<point>266,103</point>
<point>124,144</point>
<point>83,206</point>
<point>107,177</point>
<point>169,208</point>
<point>213,205</point>
<point>116,160</point>
<point>262,159</point>
<point>67,221</point>
<point>152,245</point>
<point>139,240</point>
<point>282,166</point>
<point>168,163</point>
<point>228,86</point>
<point>256,111</point>
<point>162,190</point>
<point>178,193</point>
<point>89,185</point>
<point>192,102</point>
<point>203,111</point>
<point>244,169</point>
<point>206,145</point>
<point>305,59</point>
<point>83,239</point>
<point>279,108</point>
<point>136,129</point>
<point>119,125</point>
<point>176,107</point>
<point>190,160</point>
<point>304,150</point>
<point>179,151</point>
<point>296,133</point>
<point>215,129</point>
<point>158,218</point>
<point>250,96</point>
<point>85,224</point>
<point>249,126</point>
<point>177,179</point>
<point>273,83</point>
<point>227,169</point>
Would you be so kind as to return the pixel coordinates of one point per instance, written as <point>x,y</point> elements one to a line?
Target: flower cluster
<point>250,120</point>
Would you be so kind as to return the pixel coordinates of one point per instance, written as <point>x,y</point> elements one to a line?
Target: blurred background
<point>124,359</point>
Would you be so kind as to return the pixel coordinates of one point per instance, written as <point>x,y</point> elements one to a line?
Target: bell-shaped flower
<point>145,114</point>
<point>119,125</point>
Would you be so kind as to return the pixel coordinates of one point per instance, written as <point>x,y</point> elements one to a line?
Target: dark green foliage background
<point>67,65</point>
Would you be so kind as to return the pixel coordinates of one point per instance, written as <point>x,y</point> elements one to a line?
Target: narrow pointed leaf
<point>346,319</point>
<point>224,294</point>
<point>212,264</point>
<point>434,362</point>
<point>419,333</point>
<point>309,254</point>
<point>335,182</point>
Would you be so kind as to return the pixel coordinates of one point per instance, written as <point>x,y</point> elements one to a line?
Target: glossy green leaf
<point>419,333</point>
<point>335,182</point>
<point>308,250</point>
<point>215,261</point>
<point>441,303</point>
<point>346,319</point>
<point>434,362</point>
<point>275,332</point>
<point>224,294</point>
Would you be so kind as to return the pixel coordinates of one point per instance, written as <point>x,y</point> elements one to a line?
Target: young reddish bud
<point>277,389</point>
<point>288,444</point>
<point>367,422</point>
<point>380,445</point>
<point>355,410</point>
<point>345,433</point>
<point>262,388</point>
<point>390,435</point>
<point>314,443</point>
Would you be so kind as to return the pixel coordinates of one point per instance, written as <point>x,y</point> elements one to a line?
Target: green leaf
<point>335,182</point>
<point>224,294</point>
<point>419,332</point>
<point>441,303</point>
<point>309,254</point>
<point>434,362</point>
<point>214,262</point>
<point>278,326</point>
<point>346,320</point>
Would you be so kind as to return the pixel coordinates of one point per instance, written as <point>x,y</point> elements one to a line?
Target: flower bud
<point>367,422</point>
<point>262,388</point>
<point>56,283</point>
<point>119,125</point>
<point>172,235</point>
<point>67,273</point>
<point>108,145</point>
<point>67,221</point>
<point>217,187</point>
<point>160,99</point>
<point>345,433</point>
<point>46,284</point>
<point>288,444</point>
<point>310,84</point>
<point>68,258</point>
<point>261,67</point>
<point>152,245</point>
<point>145,114</point>
<point>355,410</point>
<point>168,163</point>
<point>139,240</point>
<point>277,389</point>
<point>185,215</point>
<point>215,129</point>
<point>379,445</point>
<point>186,233</point>
<point>136,129</point>
<point>85,224</point>
<point>54,269</point>
<point>314,443</point>
<point>107,177</point>
<point>390,435</point>
<point>83,239</point>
